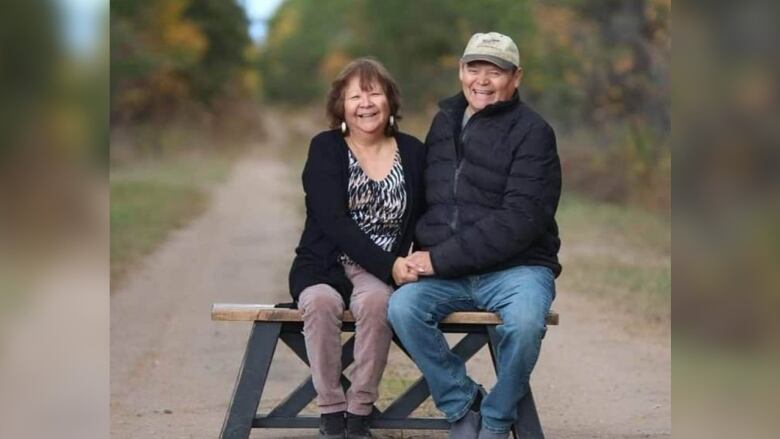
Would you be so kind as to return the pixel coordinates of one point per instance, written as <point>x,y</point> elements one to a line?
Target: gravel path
<point>173,369</point>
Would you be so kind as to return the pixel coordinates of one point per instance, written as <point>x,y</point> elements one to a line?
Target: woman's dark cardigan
<point>330,230</point>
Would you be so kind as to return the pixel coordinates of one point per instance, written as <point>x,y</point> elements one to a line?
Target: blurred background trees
<point>598,70</point>
<point>588,62</point>
<point>167,52</point>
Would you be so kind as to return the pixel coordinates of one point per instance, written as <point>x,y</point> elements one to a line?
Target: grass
<point>618,253</point>
<point>149,199</point>
<point>399,375</point>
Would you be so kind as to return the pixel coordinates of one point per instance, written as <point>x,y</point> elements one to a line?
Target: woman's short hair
<point>368,70</point>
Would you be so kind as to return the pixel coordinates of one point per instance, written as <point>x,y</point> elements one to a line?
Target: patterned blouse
<point>376,206</point>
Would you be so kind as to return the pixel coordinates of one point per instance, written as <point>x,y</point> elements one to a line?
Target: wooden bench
<point>272,324</point>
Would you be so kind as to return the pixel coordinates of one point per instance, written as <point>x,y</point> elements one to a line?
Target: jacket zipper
<point>458,166</point>
<point>454,221</point>
<point>459,143</point>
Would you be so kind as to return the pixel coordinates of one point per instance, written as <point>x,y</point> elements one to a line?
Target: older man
<point>489,236</point>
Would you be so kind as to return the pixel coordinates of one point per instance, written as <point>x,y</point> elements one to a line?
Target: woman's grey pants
<point>322,307</point>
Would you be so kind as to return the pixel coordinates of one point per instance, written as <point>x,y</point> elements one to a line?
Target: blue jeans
<point>521,296</point>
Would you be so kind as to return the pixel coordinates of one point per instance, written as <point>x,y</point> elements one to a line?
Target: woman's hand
<point>404,271</point>
<point>421,263</point>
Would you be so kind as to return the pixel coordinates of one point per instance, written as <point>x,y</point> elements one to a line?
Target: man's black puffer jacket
<point>492,190</point>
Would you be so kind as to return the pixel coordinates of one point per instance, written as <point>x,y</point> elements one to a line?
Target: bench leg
<point>527,425</point>
<point>251,380</point>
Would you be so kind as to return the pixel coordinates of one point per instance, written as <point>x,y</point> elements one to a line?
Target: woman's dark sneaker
<point>357,427</point>
<point>332,426</point>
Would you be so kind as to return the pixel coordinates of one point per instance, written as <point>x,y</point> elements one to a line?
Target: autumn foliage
<point>598,70</point>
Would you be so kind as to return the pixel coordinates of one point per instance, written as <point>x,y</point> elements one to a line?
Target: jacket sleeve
<point>530,199</point>
<point>328,206</point>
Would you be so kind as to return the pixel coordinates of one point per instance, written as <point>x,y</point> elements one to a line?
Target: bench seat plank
<point>267,313</point>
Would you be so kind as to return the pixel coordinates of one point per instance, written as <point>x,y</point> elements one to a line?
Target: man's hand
<point>422,263</point>
<point>404,271</point>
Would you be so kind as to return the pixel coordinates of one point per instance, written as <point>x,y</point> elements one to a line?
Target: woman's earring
<point>392,121</point>
<point>344,127</point>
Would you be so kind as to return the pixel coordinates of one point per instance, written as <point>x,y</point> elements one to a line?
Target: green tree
<point>225,26</point>
<point>152,44</point>
<point>303,35</point>
<point>628,77</point>
<point>168,52</point>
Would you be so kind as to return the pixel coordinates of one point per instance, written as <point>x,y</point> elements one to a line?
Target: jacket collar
<point>456,105</point>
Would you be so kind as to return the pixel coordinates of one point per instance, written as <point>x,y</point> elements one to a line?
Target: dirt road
<point>173,370</point>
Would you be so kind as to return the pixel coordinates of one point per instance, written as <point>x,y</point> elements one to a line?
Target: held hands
<point>404,271</point>
<point>421,261</point>
<point>409,269</point>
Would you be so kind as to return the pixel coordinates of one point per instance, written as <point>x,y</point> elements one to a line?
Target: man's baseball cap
<point>492,47</point>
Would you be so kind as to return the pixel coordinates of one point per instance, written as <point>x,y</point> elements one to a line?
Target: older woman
<point>363,183</point>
